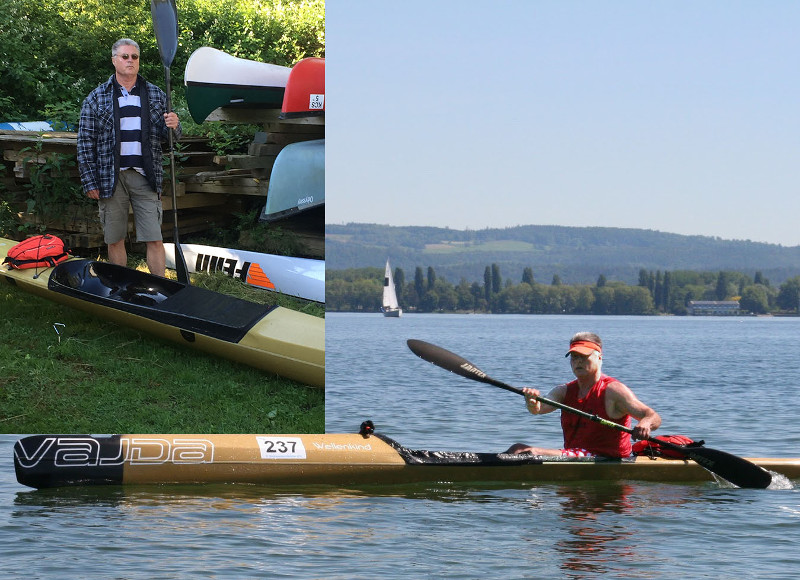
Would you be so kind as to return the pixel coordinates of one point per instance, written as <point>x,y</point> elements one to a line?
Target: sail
<point>390,306</point>
<point>389,293</point>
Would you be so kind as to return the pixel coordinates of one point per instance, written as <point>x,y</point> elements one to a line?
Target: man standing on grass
<point>122,126</point>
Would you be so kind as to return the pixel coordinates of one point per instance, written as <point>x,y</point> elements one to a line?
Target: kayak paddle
<point>165,25</point>
<point>734,469</point>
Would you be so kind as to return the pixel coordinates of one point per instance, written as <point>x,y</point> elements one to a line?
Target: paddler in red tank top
<point>595,393</point>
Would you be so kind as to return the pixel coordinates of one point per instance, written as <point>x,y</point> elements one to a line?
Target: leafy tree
<point>666,293</point>
<point>431,278</point>
<point>585,300</point>
<point>658,292</point>
<point>399,283</point>
<point>724,287</point>
<point>419,282</point>
<point>754,299</point>
<point>603,300</point>
<point>497,280</point>
<point>527,276</point>
<point>789,295</point>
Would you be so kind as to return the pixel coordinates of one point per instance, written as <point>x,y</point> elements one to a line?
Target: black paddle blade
<point>165,25</point>
<point>181,269</point>
<point>450,361</point>
<point>737,470</point>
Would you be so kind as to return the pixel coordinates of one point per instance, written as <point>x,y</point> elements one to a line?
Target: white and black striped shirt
<point>130,125</point>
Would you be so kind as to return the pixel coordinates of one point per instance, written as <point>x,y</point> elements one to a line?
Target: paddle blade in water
<point>735,469</point>
<point>165,25</point>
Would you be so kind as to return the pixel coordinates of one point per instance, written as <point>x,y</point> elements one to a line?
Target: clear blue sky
<point>677,116</point>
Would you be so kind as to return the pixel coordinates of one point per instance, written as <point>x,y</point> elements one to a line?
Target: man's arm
<point>538,408</point>
<point>625,402</point>
<point>87,154</point>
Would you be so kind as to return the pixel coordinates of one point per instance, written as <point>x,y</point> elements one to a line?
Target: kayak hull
<point>305,90</point>
<point>297,181</point>
<point>274,339</point>
<point>300,277</point>
<point>322,459</point>
<point>216,79</point>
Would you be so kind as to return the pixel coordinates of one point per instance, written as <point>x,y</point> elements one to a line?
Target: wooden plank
<point>236,186</point>
<point>246,161</point>
<point>194,201</point>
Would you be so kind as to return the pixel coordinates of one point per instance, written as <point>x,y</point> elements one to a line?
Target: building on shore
<point>714,307</point>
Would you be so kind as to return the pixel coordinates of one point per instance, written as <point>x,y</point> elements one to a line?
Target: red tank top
<point>583,433</point>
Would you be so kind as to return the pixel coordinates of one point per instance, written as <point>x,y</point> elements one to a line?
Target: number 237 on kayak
<point>281,448</point>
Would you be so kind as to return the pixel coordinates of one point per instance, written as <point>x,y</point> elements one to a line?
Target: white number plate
<point>281,448</point>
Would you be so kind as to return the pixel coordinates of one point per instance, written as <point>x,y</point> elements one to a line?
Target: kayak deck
<point>313,459</point>
<point>161,299</point>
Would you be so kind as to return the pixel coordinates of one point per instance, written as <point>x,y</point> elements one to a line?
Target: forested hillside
<point>576,255</point>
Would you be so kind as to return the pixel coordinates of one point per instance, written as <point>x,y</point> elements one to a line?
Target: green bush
<point>54,52</point>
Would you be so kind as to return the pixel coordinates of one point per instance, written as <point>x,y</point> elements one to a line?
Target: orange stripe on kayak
<point>257,277</point>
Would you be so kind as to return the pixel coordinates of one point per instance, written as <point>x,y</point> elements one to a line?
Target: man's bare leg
<point>117,253</point>
<point>156,258</point>
<point>522,448</point>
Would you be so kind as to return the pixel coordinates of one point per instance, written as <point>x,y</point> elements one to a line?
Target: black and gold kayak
<point>272,338</point>
<point>43,461</point>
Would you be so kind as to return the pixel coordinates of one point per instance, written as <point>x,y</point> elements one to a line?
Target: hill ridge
<point>577,254</point>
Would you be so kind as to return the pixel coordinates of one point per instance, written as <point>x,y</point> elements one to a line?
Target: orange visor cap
<point>584,347</point>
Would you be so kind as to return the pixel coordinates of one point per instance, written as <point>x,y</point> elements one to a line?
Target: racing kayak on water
<point>272,338</point>
<point>43,461</point>
<point>301,277</point>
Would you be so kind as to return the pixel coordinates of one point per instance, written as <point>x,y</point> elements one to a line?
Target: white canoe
<point>216,79</point>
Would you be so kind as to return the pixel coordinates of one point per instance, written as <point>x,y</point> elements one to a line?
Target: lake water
<point>729,381</point>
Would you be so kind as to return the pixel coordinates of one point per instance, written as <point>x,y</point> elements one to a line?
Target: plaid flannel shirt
<point>99,143</point>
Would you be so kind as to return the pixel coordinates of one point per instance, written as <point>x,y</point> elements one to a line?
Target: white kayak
<point>300,277</point>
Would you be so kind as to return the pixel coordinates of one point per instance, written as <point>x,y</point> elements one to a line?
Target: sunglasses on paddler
<point>127,56</point>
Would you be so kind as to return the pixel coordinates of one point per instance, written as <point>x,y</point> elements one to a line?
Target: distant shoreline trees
<point>668,292</point>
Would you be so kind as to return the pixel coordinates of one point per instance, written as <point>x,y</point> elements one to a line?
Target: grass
<point>93,376</point>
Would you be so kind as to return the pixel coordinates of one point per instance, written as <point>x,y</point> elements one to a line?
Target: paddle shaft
<point>165,25</point>
<point>735,469</point>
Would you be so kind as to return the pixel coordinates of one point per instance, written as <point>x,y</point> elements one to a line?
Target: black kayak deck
<point>169,302</point>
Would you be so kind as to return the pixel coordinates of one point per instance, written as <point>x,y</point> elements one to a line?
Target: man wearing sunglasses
<point>122,126</point>
<point>597,394</point>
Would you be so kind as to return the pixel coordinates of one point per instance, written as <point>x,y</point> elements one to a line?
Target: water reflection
<point>600,523</point>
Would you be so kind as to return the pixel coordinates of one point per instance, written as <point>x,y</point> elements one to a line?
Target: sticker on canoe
<point>316,103</point>
<point>281,448</point>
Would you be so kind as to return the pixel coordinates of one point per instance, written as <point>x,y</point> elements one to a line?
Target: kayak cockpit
<point>106,280</point>
<point>455,458</point>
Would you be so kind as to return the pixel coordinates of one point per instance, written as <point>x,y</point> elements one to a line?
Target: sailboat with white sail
<point>390,306</point>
